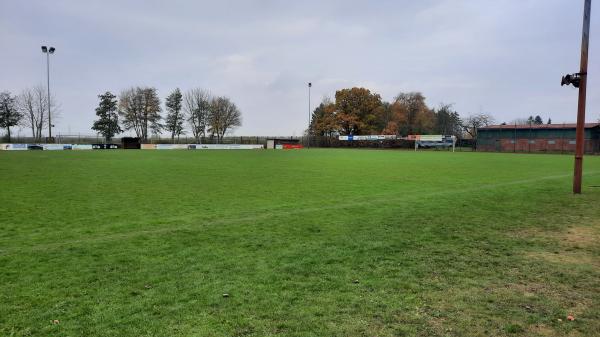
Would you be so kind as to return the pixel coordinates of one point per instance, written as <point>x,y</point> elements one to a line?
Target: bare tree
<point>130,107</point>
<point>224,116</point>
<point>473,122</point>
<point>33,104</point>
<point>140,110</point>
<point>196,104</point>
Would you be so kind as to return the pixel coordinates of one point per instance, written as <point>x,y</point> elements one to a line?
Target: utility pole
<point>308,132</point>
<point>580,132</point>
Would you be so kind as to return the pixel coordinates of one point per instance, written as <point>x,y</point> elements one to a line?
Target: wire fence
<point>502,141</point>
<point>93,139</point>
<point>312,141</point>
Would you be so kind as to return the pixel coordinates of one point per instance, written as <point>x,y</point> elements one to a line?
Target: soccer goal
<point>433,141</point>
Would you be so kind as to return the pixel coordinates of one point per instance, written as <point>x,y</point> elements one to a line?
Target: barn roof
<point>541,126</point>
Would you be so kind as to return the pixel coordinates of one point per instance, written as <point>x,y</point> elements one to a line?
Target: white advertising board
<point>13,147</point>
<point>201,146</point>
<point>48,147</point>
<point>431,138</point>
<point>82,147</point>
<point>171,146</point>
<point>367,137</point>
<point>228,146</point>
<point>57,147</point>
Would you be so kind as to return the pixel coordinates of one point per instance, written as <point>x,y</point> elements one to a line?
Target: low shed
<point>558,138</point>
<point>272,143</point>
<point>131,143</point>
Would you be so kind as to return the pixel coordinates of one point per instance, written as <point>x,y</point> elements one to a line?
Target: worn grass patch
<point>304,243</point>
<point>574,236</point>
<point>568,258</point>
<point>578,236</point>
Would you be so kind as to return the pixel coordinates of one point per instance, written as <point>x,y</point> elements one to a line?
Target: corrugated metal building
<point>557,138</point>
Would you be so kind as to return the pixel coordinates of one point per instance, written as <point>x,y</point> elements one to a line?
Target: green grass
<point>306,243</point>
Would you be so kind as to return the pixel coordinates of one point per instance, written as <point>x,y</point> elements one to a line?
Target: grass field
<point>305,243</point>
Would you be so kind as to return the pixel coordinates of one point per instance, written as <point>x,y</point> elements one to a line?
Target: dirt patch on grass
<point>567,258</point>
<point>541,330</point>
<point>582,236</point>
<point>563,296</point>
<point>438,325</point>
<point>573,246</point>
<point>528,290</point>
<point>572,236</point>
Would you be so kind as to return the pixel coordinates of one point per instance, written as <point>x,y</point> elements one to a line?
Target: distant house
<point>558,138</point>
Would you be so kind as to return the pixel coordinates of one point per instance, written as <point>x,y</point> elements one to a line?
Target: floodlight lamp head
<point>44,49</point>
<point>309,84</point>
<point>573,79</point>
<point>51,50</point>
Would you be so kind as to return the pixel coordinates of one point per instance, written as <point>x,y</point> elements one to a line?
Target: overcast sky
<point>504,57</point>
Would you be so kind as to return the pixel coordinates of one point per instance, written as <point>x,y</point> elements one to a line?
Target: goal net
<point>433,141</point>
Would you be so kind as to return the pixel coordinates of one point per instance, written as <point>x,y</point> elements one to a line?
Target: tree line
<point>139,109</point>
<point>359,111</point>
<point>537,120</point>
<point>29,109</point>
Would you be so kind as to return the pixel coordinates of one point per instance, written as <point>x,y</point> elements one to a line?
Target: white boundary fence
<point>202,146</point>
<point>61,147</point>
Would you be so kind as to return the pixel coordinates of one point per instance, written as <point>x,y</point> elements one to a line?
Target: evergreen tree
<point>175,118</point>
<point>9,113</point>
<point>538,120</point>
<point>549,121</point>
<point>107,123</point>
<point>447,121</point>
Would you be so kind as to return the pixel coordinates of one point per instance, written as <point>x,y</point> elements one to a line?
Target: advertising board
<point>228,146</point>
<point>367,137</point>
<point>82,147</point>
<point>56,147</point>
<point>13,147</point>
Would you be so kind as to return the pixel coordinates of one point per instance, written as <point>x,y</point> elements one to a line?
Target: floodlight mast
<point>309,115</point>
<point>49,51</point>
<point>580,131</point>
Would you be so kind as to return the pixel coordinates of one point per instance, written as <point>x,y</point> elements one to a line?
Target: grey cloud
<point>505,57</point>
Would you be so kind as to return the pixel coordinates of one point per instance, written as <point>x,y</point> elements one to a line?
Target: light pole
<point>308,132</point>
<point>48,51</point>
<point>579,80</point>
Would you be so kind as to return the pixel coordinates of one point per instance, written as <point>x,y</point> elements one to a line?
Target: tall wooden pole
<point>309,115</point>
<point>580,133</point>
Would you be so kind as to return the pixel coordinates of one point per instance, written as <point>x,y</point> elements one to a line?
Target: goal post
<point>433,141</point>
